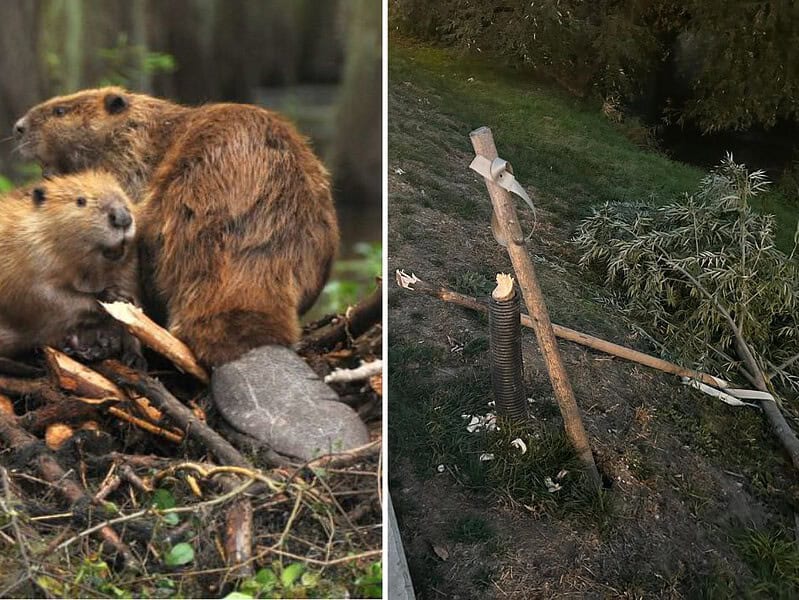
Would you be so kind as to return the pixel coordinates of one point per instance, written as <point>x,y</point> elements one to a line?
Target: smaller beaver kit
<point>64,243</point>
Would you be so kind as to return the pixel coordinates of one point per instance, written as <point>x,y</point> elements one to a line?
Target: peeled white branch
<point>365,371</point>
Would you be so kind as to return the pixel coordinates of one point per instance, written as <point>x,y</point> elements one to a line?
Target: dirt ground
<point>688,475</point>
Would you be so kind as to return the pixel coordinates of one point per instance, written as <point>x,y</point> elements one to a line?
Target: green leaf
<point>5,185</point>
<point>266,579</point>
<point>180,554</point>
<point>163,499</point>
<point>239,596</point>
<point>291,573</point>
<point>171,519</point>
<point>51,585</point>
<point>110,508</point>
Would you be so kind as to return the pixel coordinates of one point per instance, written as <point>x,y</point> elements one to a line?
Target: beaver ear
<point>38,196</point>
<point>115,103</point>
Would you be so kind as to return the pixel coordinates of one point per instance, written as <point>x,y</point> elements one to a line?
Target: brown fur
<point>57,257</point>
<point>234,210</point>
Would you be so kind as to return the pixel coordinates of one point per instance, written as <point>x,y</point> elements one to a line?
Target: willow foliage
<point>728,249</point>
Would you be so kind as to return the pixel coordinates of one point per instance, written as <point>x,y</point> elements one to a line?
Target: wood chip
<point>57,435</point>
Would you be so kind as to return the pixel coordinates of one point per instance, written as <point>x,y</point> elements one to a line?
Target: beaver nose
<point>119,216</point>
<point>19,127</point>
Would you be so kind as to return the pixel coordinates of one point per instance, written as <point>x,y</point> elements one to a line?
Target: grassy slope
<point>575,156</point>
<point>675,447</point>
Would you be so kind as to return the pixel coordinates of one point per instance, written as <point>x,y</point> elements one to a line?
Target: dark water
<point>772,150</point>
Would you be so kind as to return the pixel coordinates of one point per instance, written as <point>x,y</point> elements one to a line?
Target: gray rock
<point>271,394</point>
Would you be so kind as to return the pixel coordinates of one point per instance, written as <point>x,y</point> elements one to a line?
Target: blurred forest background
<point>316,61</point>
<point>693,78</point>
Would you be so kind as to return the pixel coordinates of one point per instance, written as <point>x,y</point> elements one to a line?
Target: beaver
<point>64,243</point>
<point>237,228</point>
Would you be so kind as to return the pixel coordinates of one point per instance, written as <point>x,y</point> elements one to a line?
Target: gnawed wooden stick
<point>411,282</point>
<point>70,375</point>
<point>338,459</point>
<point>238,537</point>
<point>152,335</point>
<point>90,387</point>
<point>180,414</point>
<point>168,434</point>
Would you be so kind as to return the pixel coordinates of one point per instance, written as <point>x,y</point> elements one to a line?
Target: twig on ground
<point>337,459</point>
<point>182,416</point>
<point>14,386</point>
<point>15,437</point>
<point>357,320</point>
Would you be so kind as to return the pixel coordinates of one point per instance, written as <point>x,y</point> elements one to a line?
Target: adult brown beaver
<point>63,243</point>
<point>237,225</point>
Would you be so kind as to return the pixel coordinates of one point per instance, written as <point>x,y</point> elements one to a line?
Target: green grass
<point>471,529</point>
<point>428,428</point>
<point>773,559</point>
<point>562,146</point>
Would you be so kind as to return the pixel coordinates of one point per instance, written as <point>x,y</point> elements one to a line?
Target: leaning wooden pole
<point>508,223</point>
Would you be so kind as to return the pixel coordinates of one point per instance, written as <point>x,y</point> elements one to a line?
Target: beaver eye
<point>81,201</point>
<point>60,111</point>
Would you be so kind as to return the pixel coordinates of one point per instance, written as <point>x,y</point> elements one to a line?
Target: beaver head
<point>105,128</point>
<point>85,217</point>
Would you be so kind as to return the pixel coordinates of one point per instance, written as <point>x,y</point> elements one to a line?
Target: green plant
<point>125,63</point>
<point>680,267</point>
<point>352,279</point>
<point>93,573</point>
<point>471,529</point>
<point>773,558</point>
<point>295,580</point>
<point>736,56</point>
<point>6,185</point>
<point>370,583</point>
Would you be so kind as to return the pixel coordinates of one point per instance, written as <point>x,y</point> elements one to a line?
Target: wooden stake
<point>508,223</point>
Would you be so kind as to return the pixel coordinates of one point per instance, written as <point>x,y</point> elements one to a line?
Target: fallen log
<point>152,335</point>
<point>411,282</point>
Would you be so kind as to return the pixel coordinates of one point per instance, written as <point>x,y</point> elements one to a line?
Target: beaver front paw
<point>96,343</point>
